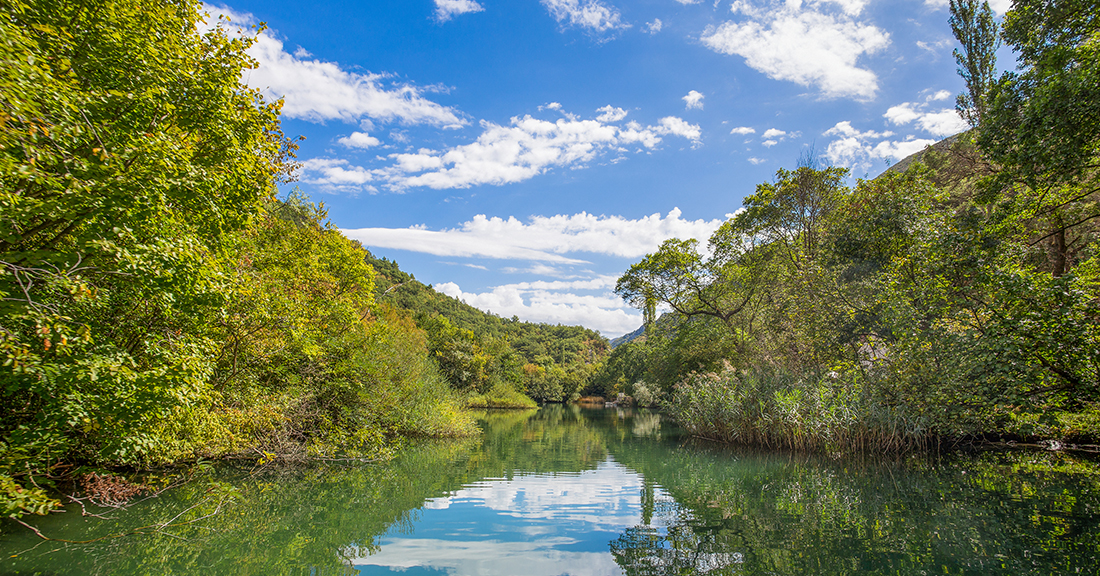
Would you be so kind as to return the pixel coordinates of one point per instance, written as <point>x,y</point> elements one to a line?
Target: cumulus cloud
<point>315,90</point>
<point>846,130</point>
<point>944,122</point>
<point>592,15</point>
<point>447,9</point>
<point>653,27</point>
<point>856,149</point>
<point>542,238</point>
<point>527,147</point>
<point>336,175</point>
<point>358,140</point>
<point>773,136</point>
<point>603,311</point>
<point>610,113</point>
<point>802,44</point>
<point>678,127</point>
<point>756,161</point>
<point>693,100</point>
<point>743,130</point>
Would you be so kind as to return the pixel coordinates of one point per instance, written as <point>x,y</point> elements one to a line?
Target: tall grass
<point>824,414</point>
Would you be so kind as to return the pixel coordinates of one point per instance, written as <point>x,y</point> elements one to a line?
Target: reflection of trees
<point>989,513</point>
<point>704,509</point>
<point>301,520</point>
<point>644,550</point>
<point>309,520</point>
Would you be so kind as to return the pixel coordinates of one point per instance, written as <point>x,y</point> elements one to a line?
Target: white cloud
<point>941,95</point>
<point>610,113</point>
<point>526,148</point>
<point>679,127</point>
<point>940,123</point>
<point>902,149</point>
<point>756,161</point>
<point>693,100</point>
<point>552,244</point>
<point>607,501</point>
<point>774,133</point>
<point>590,14</point>
<point>541,238</point>
<point>805,46</point>
<point>846,130</point>
<point>447,9</point>
<point>315,90</point>
<point>550,106</point>
<point>854,148</point>
<point>653,27</point>
<point>689,2</point>
<point>605,312</point>
<point>743,130</point>
<point>336,174</point>
<point>359,140</point>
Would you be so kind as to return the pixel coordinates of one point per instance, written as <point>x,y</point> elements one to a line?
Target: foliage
<point>973,26</point>
<point>156,302</point>
<point>932,314</point>
<point>1044,120</point>
<point>479,353</point>
<point>959,293</point>
<point>16,500</point>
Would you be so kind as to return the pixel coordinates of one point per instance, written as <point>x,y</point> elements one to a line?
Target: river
<point>566,490</point>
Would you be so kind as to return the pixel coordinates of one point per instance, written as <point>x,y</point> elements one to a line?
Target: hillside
<point>476,349</point>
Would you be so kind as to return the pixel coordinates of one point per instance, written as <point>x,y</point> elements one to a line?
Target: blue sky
<point>521,154</point>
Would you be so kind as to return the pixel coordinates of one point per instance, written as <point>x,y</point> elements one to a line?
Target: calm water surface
<point>596,492</point>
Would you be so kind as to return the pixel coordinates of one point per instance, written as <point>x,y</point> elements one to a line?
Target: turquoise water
<point>595,492</point>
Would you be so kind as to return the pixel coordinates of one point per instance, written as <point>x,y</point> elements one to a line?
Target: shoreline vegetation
<point>159,305</point>
<point>955,296</point>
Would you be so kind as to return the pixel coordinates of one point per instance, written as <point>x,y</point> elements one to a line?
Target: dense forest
<point>955,296</point>
<point>159,304</point>
<point>489,356</point>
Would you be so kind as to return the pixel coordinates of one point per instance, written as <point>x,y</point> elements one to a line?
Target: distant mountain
<point>616,342</point>
<point>536,343</point>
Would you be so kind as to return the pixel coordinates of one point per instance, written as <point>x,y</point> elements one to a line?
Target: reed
<point>829,413</point>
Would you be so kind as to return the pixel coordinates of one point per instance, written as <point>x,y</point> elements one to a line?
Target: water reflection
<point>539,524</point>
<point>570,491</point>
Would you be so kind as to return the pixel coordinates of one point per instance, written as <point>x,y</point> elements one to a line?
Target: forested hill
<point>476,349</point>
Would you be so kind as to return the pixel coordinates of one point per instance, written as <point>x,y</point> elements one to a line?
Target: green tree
<point>973,25</point>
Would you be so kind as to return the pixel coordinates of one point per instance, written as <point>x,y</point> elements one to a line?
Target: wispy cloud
<point>592,15</point>
<point>447,9</point>
<point>541,238</point>
<point>802,44</point>
<point>653,27</point>
<point>528,147</point>
<point>315,90</point>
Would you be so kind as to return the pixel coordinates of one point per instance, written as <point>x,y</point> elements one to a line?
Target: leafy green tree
<point>973,26</point>
<point>126,157</point>
<point>1044,120</point>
